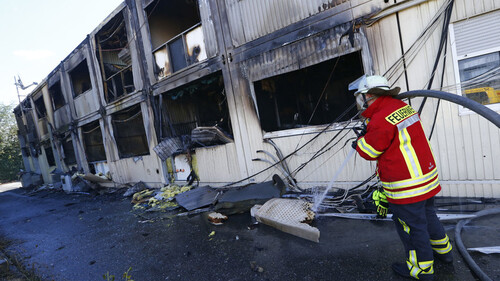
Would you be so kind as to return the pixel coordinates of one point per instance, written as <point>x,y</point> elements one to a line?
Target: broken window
<point>49,155</point>
<point>201,103</point>
<point>80,78</point>
<point>129,132</point>
<point>314,95</point>
<point>93,142</point>
<point>113,53</point>
<point>41,111</point>
<point>56,96</point>
<point>69,151</point>
<point>176,35</point>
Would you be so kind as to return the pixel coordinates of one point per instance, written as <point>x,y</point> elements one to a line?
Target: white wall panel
<point>466,8</point>
<point>207,24</point>
<point>86,103</point>
<point>142,168</point>
<point>217,164</point>
<point>251,19</point>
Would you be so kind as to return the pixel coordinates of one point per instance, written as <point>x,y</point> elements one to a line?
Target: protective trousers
<point>421,232</point>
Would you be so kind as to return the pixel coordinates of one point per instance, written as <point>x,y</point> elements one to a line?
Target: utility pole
<point>22,141</point>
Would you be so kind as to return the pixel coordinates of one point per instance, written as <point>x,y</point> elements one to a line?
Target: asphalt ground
<point>82,237</point>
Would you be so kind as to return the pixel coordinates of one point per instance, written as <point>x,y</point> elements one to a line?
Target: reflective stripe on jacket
<point>396,139</point>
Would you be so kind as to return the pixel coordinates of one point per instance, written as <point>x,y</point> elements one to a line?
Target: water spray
<point>318,198</point>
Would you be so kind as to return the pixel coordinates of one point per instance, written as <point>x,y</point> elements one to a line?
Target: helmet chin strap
<point>367,100</point>
<point>363,101</point>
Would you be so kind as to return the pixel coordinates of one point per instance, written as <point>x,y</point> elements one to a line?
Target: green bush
<point>10,152</point>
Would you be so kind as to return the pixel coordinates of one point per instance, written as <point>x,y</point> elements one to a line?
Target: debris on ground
<point>79,184</point>
<point>197,198</point>
<point>43,187</point>
<point>4,265</point>
<point>211,235</point>
<point>158,200</point>
<point>216,218</point>
<point>140,186</point>
<point>289,215</point>
<point>242,199</point>
<point>255,267</point>
<point>142,196</point>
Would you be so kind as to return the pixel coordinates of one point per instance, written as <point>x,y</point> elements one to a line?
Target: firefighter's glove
<point>380,201</point>
<point>354,144</point>
<point>359,131</point>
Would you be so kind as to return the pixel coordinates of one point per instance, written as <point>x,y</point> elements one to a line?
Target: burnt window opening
<point>129,132</point>
<point>113,54</point>
<point>176,35</point>
<point>41,111</point>
<point>69,151</point>
<point>288,101</point>
<point>80,78</point>
<point>56,96</point>
<point>49,155</point>
<point>93,142</point>
<point>26,104</point>
<point>21,126</point>
<point>201,103</point>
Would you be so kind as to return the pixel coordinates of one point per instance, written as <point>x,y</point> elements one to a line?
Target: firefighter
<point>394,137</point>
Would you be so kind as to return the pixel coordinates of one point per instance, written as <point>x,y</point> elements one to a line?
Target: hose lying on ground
<point>461,248</point>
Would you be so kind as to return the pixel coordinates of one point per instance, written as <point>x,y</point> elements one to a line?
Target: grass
<point>18,271</point>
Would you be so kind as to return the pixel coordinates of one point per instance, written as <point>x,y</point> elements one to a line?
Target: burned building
<point>163,91</point>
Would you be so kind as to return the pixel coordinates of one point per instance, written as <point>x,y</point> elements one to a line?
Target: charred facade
<point>162,91</point>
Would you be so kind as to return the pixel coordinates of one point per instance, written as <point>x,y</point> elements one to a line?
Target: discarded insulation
<point>162,199</point>
<point>288,215</point>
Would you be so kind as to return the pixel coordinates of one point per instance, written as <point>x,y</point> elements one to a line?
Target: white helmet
<point>375,85</point>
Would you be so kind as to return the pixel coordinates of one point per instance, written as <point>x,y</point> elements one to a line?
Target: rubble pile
<point>289,215</point>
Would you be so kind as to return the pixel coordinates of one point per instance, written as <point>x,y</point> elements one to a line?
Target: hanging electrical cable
<point>298,149</point>
<point>413,50</point>
<point>324,148</point>
<point>442,44</point>
<point>441,87</point>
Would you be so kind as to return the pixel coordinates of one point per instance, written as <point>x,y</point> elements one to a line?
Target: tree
<point>10,152</point>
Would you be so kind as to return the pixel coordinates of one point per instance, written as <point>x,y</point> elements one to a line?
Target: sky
<point>36,35</point>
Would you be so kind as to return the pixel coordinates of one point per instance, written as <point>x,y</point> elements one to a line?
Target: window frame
<point>71,78</point>
<point>314,129</point>
<point>462,111</point>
